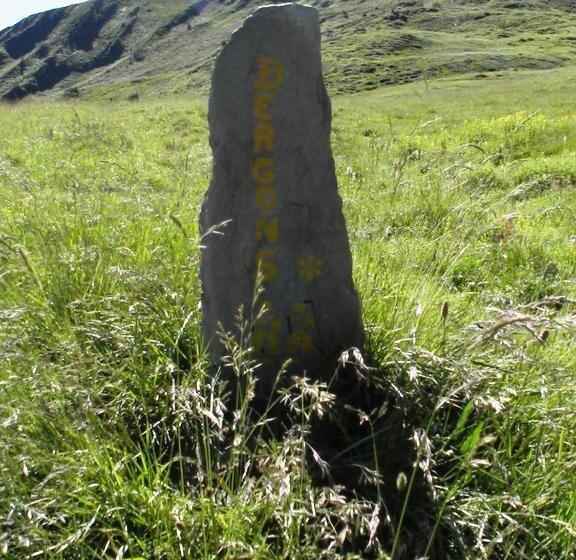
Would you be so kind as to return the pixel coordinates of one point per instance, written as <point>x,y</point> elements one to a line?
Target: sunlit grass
<point>460,202</point>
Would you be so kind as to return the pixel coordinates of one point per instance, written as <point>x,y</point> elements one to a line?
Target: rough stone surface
<point>272,211</point>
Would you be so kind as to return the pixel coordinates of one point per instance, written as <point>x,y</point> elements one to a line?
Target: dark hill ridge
<point>113,47</point>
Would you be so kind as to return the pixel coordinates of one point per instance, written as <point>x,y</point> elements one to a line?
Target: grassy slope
<point>456,191</point>
<point>367,43</point>
<point>428,39</point>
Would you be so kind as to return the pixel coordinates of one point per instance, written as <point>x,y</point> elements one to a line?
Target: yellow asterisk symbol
<point>309,268</point>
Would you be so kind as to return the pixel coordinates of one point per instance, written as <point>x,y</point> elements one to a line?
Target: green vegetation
<point>461,206</point>
<point>109,48</point>
<point>369,43</point>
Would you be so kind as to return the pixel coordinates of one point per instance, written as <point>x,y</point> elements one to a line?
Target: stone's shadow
<point>364,449</point>
<point>367,441</point>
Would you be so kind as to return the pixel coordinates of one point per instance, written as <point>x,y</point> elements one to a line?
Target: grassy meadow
<point>460,202</point>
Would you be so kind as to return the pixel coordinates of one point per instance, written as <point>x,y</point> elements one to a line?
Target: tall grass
<point>452,436</point>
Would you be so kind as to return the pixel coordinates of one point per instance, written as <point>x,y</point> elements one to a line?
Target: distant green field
<point>460,199</point>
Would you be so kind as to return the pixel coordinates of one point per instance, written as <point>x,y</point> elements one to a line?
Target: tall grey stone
<point>272,215</point>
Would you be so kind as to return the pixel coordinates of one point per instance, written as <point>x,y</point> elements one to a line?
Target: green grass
<point>366,44</point>
<point>460,201</point>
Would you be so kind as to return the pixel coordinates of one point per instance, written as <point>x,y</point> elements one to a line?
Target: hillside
<point>112,48</point>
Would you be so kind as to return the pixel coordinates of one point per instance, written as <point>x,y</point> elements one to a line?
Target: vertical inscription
<point>271,335</point>
<point>266,335</point>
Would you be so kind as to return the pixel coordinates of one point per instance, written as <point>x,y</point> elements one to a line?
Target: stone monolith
<point>273,233</point>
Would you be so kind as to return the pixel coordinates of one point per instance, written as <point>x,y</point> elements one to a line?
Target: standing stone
<point>272,216</point>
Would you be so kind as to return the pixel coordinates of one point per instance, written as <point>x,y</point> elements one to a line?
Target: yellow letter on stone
<point>262,104</point>
<point>300,342</point>
<point>263,138</point>
<point>263,171</point>
<point>266,198</point>
<point>270,75</point>
<point>269,270</point>
<point>267,230</point>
